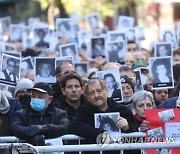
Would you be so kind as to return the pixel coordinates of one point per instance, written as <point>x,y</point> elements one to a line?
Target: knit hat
<point>139,64</point>
<point>126,79</point>
<point>4,104</point>
<point>23,84</point>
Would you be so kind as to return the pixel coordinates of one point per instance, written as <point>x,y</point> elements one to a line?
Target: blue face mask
<point>38,104</point>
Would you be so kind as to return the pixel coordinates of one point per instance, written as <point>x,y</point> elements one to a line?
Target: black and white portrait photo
<point>10,68</point>
<point>138,83</point>
<point>5,25</point>
<point>140,33</point>
<point>161,72</point>
<point>125,21</point>
<point>63,27</point>
<point>117,36</point>
<point>26,65</point>
<point>16,33</point>
<point>98,47</point>
<point>155,134</point>
<point>81,68</point>
<point>168,35</point>
<point>113,83</point>
<point>44,70</point>
<point>163,49</point>
<point>116,51</point>
<point>166,115</point>
<point>131,34</point>
<point>84,37</point>
<point>93,20</point>
<point>69,49</point>
<point>107,122</point>
<point>41,37</point>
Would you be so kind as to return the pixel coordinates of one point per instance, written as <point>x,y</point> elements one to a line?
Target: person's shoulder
<point>169,103</point>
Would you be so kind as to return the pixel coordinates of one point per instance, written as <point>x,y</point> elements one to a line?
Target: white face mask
<point>143,79</point>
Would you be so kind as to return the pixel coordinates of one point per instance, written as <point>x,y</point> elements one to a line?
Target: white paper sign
<point>172,130</point>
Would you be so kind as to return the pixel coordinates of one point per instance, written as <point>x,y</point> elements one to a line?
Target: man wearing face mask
<point>40,120</point>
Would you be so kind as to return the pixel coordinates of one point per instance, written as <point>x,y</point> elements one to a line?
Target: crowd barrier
<point>18,145</point>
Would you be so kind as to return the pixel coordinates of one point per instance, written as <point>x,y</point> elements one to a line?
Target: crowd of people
<point>52,99</point>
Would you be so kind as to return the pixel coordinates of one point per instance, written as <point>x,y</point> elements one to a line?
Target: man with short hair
<point>40,120</point>
<point>127,91</point>
<point>84,123</point>
<point>72,89</point>
<point>61,69</point>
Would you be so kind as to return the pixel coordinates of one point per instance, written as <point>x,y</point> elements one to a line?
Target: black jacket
<point>68,108</point>
<point>83,125</point>
<point>55,119</point>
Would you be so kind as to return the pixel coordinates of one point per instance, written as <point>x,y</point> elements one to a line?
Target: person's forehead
<point>72,81</point>
<point>67,67</point>
<point>125,84</point>
<point>94,85</point>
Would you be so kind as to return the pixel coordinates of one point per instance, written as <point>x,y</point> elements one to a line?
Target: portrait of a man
<point>45,70</point>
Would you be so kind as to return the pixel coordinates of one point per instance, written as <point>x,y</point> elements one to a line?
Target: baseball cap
<point>42,87</point>
<point>139,64</point>
<point>23,84</point>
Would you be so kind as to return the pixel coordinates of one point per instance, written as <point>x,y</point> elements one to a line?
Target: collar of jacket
<point>49,110</point>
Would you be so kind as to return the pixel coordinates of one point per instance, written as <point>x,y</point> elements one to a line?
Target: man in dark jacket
<point>61,69</point>
<point>72,89</point>
<point>84,123</point>
<point>40,120</point>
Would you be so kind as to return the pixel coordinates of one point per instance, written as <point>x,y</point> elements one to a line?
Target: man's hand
<point>34,130</point>
<point>145,126</point>
<point>122,123</point>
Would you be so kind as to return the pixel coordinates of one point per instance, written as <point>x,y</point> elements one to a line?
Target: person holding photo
<point>84,123</point>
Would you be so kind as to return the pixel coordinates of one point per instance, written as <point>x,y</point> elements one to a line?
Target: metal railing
<point>25,147</point>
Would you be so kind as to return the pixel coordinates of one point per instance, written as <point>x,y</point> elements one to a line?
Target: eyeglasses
<point>10,65</point>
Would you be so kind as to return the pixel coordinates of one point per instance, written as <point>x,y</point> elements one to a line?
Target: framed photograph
<point>41,37</point>
<point>93,20</point>
<point>82,68</point>
<point>98,47</point>
<point>107,122</point>
<point>178,33</point>
<point>69,49</point>
<point>10,69</point>
<point>8,87</point>
<point>155,134</point>
<point>64,27</point>
<point>166,115</point>
<point>125,21</point>
<point>44,70</point>
<point>5,24</point>
<point>116,51</point>
<point>117,36</point>
<point>138,83</point>
<point>168,35</point>
<point>140,33</point>
<point>131,33</point>
<point>161,72</point>
<point>63,59</point>
<point>16,32</point>
<point>84,37</point>
<point>113,83</point>
<point>163,49</point>
<point>26,65</point>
